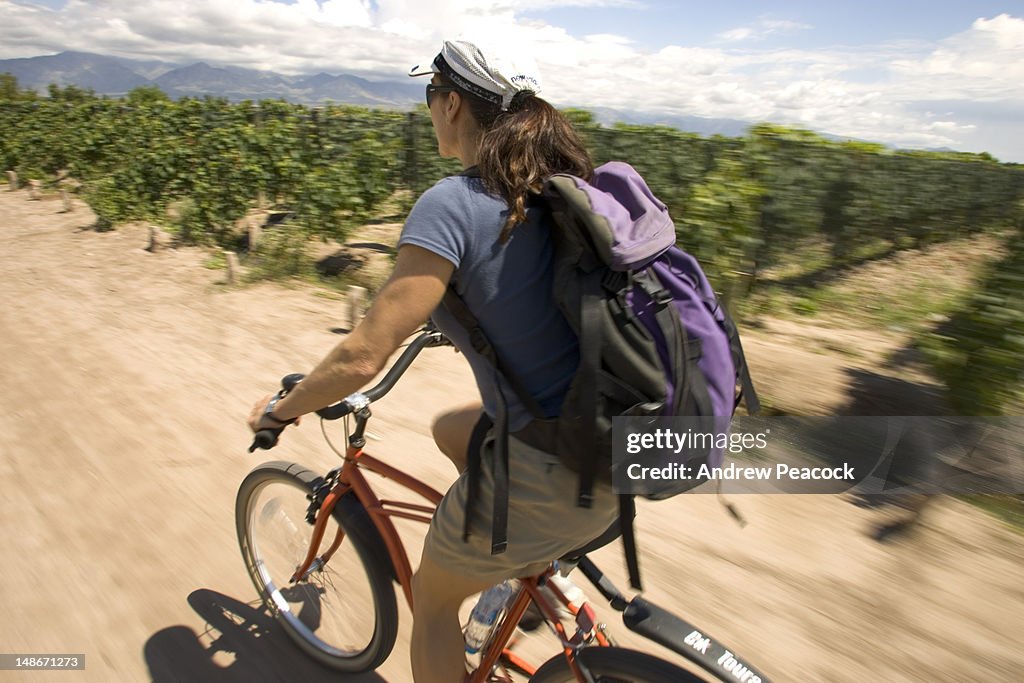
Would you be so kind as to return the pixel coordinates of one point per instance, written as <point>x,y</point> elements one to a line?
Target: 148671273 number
<point>11,662</point>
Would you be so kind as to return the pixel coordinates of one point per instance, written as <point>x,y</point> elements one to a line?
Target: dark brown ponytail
<point>522,146</point>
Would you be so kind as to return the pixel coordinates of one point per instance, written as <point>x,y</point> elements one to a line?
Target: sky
<point>907,73</point>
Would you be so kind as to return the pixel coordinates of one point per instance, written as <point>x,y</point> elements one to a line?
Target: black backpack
<point>653,339</point>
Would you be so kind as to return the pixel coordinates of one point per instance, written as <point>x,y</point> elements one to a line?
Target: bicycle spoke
<point>337,621</point>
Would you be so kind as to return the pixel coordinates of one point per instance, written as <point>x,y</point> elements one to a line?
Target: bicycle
<point>281,537</point>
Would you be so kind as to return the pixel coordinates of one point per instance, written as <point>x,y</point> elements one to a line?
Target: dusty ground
<point>127,376</point>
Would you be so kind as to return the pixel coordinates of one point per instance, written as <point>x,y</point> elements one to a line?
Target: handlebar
<point>429,337</point>
<point>358,400</point>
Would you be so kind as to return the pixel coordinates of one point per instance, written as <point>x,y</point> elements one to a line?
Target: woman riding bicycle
<point>481,233</point>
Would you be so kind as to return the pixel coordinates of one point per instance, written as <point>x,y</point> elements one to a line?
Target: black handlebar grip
<point>265,439</point>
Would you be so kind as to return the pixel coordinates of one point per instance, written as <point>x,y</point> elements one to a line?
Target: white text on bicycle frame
<point>698,642</point>
<point>738,670</point>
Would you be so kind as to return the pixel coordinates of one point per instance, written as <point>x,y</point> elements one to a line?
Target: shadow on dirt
<point>240,643</point>
<point>872,393</point>
<point>967,456</point>
<point>877,394</point>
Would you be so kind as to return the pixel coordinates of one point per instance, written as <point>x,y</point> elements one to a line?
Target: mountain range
<point>116,76</point>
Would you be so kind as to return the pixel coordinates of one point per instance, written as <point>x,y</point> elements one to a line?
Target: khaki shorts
<point>544,522</point>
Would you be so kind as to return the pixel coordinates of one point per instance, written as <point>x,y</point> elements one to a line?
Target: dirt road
<point>127,376</point>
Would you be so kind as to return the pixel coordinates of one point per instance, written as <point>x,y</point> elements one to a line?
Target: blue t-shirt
<point>506,286</point>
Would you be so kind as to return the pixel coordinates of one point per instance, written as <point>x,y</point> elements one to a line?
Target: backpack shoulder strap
<point>590,364</point>
<point>457,307</point>
<point>747,393</point>
<point>482,345</point>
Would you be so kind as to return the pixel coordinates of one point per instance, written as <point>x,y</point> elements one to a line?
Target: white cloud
<point>761,29</point>
<point>908,93</point>
<point>986,61</point>
<point>737,34</point>
<point>337,12</point>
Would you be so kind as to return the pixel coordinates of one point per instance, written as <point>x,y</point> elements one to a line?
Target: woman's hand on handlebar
<point>259,420</point>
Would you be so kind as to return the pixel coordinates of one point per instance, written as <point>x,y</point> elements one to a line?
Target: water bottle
<point>485,613</point>
<point>573,593</point>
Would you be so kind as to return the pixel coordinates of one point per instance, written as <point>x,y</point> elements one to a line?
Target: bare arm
<point>413,291</point>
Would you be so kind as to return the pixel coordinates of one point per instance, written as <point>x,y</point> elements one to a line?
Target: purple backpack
<point>654,340</point>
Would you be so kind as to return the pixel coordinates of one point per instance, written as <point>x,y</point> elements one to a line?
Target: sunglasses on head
<point>431,89</point>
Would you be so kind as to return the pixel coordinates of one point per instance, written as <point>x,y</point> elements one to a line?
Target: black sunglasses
<point>431,89</point>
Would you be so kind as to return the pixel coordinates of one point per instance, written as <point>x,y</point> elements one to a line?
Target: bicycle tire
<point>614,665</point>
<point>306,611</point>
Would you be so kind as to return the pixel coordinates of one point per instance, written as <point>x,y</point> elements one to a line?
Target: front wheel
<point>344,614</point>
<point>614,665</point>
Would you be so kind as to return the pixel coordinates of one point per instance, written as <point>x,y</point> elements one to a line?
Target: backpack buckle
<point>650,284</point>
<point>614,281</point>
<point>481,344</point>
<point>662,297</point>
<point>648,409</point>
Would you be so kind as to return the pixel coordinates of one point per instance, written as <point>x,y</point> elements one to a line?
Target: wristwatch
<point>269,412</point>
